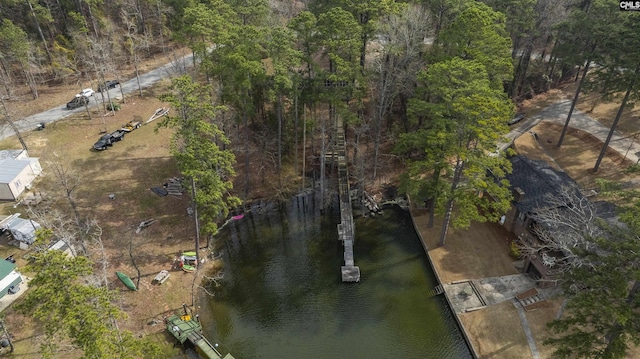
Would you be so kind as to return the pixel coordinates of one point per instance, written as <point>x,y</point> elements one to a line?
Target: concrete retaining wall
<point>435,271</point>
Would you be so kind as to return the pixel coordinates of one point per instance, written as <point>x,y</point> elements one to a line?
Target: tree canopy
<point>464,121</point>
<point>198,148</point>
<point>71,309</point>
<point>597,266</point>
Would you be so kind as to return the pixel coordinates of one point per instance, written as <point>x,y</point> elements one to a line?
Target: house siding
<point>20,182</point>
<point>35,167</point>
<point>5,192</point>
<point>514,224</point>
<point>27,170</point>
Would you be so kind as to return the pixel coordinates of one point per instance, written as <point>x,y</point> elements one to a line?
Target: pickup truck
<point>108,85</point>
<point>108,139</point>
<point>117,135</point>
<point>103,142</point>
<point>77,102</point>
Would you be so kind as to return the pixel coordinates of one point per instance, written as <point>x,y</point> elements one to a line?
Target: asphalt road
<point>557,112</point>
<point>57,113</point>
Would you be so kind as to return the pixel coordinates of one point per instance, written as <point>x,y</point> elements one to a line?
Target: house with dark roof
<point>533,183</point>
<point>536,186</point>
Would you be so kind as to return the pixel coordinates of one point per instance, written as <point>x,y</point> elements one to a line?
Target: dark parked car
<point>77,102</point>
<point>108,139</point>
<point>105,141</point>
<point>108,85</point>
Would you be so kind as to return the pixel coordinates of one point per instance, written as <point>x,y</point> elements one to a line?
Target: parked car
<point>77,102</point>
<point>105,141</point>
<point>86,93</point>
<point>517,118</point>
<point>108,139</point>
<point>14,289</point>
<point>108,85</point>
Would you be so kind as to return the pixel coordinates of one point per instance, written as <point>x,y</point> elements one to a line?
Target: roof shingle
<point>538,180</point>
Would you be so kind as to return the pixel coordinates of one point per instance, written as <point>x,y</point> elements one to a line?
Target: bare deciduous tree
<point>12,124</point>
<point>395,69</point>
<point>66,179</point>
<point>135,42</point>
<point>568,225</point>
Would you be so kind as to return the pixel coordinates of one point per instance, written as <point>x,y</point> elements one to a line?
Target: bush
<point>113,107</point>
<point>635,168</point>
<point>515,250</point>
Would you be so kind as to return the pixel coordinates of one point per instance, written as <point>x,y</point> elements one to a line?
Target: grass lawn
<point>128,169</point>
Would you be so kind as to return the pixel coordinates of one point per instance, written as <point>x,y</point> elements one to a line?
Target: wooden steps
<point>436,291</point>
<point>531,299</point>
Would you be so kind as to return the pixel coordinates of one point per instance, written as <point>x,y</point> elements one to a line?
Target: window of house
<point>17,184</point>
<point>522,216</point>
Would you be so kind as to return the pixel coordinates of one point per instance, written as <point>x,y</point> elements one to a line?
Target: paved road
<point>60,112</point>
<point>621,143</point>
<point>558,112</point>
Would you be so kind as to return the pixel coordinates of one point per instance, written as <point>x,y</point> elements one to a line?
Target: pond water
<point>282,295</point>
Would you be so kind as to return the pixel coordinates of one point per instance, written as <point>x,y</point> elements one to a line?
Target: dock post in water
<point>346,228</point>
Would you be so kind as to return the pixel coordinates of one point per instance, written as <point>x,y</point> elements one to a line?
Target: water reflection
<point>282,296</point>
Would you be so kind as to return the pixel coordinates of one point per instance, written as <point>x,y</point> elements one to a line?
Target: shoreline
<point>465,334</point>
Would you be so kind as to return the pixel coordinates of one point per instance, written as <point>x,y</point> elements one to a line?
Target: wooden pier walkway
<point>186,328</point>
<point>346,228</point>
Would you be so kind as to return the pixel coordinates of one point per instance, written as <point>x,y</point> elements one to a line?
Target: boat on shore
<point>126,281</point>
<point>188,261</point>
<point>187,329</point>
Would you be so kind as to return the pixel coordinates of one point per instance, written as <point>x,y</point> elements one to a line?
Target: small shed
<point>22,230</point>
<point>64,247</point>
<point>8,277</point>
<point>17,172</point>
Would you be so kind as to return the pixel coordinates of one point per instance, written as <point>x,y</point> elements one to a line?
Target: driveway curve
<point>558,112</point>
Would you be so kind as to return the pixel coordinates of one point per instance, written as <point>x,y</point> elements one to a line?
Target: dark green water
<point>282,296</point>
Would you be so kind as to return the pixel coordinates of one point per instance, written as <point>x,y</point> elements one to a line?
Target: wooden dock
<point>187,328</point>
<point>346,228</point>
